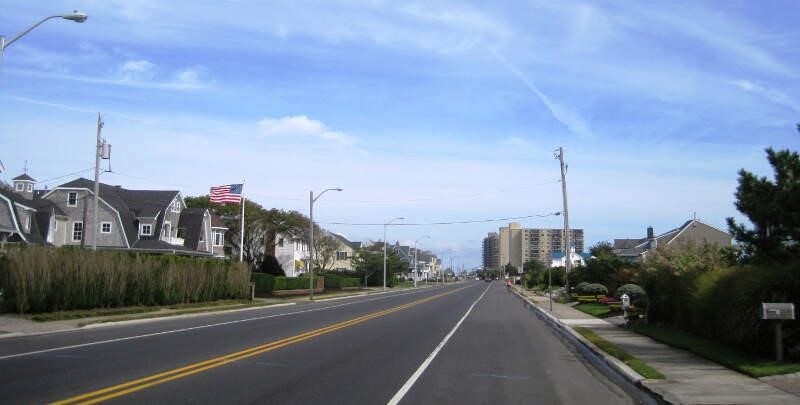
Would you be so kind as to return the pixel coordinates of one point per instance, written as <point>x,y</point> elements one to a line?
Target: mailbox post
<point>777,312</point>
<point>626,303</point>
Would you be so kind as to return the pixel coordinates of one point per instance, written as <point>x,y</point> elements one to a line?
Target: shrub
<point>580,286</point>
<point>592,289</point>
<point>264,282</point>
<point>336,281</point>
<point>270,265</point>
<point>43,279</point>
<point>632,290</point>
<point>291,283</point>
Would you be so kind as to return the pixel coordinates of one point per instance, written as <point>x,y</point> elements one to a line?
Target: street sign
<point>777,310</point>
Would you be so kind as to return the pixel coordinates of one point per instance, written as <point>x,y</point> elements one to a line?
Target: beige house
<point>344,253</point>
<point>692,231</point>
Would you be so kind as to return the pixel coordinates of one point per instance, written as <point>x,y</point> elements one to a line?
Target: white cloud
<point>772,95</point>
<point>192,77</point>
<point>301,126</point>
<point>134,70</point>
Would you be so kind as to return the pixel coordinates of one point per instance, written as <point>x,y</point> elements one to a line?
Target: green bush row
<point>334,281</point>
<point>41,279</point>
<point>694,290</point>
<point>265,283</point>
<point>291,283</point>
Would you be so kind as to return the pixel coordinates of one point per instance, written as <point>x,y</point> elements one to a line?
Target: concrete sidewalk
<point>689,379</point>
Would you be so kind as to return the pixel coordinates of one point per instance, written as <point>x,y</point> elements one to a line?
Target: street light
<point>311,200</point>
<point>415,258</point>
<point>384,251</point>
<point>73,16</point>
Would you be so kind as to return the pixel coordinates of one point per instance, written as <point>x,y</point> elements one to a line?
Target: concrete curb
<point>623,369</point>
<point>138,321</point>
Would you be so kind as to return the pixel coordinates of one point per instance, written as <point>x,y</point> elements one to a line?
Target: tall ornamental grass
<point>40,279</point>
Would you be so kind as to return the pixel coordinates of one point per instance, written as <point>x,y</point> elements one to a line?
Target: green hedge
<point>43,279</point>
<point>265,283</point>
<point>291,283</point>
<point>334,281</point>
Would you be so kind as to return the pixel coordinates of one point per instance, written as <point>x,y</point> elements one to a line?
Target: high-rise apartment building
<point>517,245</point>
<point>491,251</point>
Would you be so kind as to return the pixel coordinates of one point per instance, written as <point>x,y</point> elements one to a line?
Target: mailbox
<point>777,310</point>
<point>626,301</point>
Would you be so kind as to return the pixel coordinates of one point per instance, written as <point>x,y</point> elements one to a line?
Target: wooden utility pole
<point>567,245</point>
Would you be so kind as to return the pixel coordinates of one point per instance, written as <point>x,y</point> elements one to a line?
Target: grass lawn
<point>639,366</point>
<point>594,309</point>
<point>727,356</point>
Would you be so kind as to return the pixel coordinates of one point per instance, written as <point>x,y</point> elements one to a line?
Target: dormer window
<point>146,230</point>
<point>72,199</point>
<point>20,187</point>
<point>30,188</point>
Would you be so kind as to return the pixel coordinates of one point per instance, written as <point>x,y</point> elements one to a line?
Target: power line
<point>66,175</point>
<point>473,221</point>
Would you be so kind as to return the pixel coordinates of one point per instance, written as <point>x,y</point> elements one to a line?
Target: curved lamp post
<point>311,200</point>
<point>73,16</point>
<point>415,257</point>
<point>384,251</point>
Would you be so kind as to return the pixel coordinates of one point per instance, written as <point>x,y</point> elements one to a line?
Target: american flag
<point>230,193</point>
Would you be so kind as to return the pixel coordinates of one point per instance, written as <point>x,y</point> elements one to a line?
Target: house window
<point>30,188</point>
<point>72,199</point>
<point>341,255</point>
<point>219,238</point>
<point>77,231</point>
<point>176,206</point>
<point>20,186</point>
<point>166,230</point>
<point>280,242</point>
<point>27,222</point>
<point>105,227</point>
<point>146,230</point>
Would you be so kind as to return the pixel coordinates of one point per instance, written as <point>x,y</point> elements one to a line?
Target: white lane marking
<point>167,332</point>
<point>414,377</point>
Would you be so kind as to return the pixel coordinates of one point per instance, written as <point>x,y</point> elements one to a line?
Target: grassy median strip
<point>166,311</point>
<point>612,349</point>
<point>719,353</point>
<point>188,311</point>
<point>90,313</point>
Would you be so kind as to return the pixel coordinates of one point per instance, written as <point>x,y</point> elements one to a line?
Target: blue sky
<point>434,111</point>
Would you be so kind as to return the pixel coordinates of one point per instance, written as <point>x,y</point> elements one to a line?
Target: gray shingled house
<point>152,221</point>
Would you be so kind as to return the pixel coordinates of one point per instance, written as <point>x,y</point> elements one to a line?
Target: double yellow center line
<point>181,372</point>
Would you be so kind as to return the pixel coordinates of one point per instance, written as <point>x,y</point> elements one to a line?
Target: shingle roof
<point>130,204</point>
<point>23,177</point>
<point>628,243</point>
<point>155,245</point>
<point>34,236</point>
<point>192,221</point>
<point>343,240</point>
<point>217,222</point>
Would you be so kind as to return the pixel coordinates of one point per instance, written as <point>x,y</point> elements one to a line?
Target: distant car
<point>477,278</point>
<point>487,279</point>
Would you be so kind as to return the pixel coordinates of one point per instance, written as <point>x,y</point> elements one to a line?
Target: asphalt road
<point>471,342</point>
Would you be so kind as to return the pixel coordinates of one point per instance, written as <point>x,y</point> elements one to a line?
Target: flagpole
<point>241,240</point>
